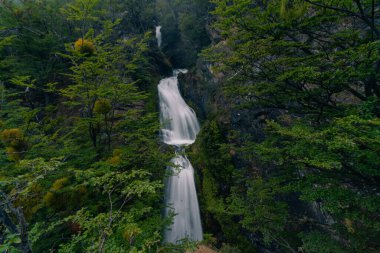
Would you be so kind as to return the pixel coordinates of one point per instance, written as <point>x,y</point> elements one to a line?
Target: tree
<point>100,84</point>
<point>32,33</point>
<point>83,12</point>
<point>12,190</point>
<point>294,56</point>
<point>313,67</point>
<point>54,94</point>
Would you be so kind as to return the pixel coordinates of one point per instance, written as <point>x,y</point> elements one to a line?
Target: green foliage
<point>82,12</point>
<point>318,242</point>
<point>99,81</point>
<point>309,184</point>
<point>229,249</point>
<point>56,98</point>
<point>31,34</point>
<point>289,60</point>
<point>183,29</point>
<point>9,242</point>
<point>125,227</point>
<point>212,155</point>
<point>140,15</point>
<point>81,165</point>
<point>339,162</point>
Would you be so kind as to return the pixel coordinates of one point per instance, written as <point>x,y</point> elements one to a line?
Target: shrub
<point>117,152</point>
<point>31,202</point>
<point>49,198</point>
<point>59,183</point>
<point>13,154</point>
<point>116,157</point>
<point>14,141</point>
<point>102,106</point>
<point>84,47</point>
<point>115,160</point>
<point>74,227</point>
<point>229,249</point>
<point>12,137</point>
<point>54,197</point>
<point>131,231</point>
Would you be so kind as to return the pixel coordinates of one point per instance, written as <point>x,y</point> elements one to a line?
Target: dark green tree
<point>315,64</point>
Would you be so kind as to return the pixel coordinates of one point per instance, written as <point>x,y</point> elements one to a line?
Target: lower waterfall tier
<point>181,199</point>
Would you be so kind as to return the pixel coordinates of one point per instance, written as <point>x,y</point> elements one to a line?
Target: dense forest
<point>287,92</point>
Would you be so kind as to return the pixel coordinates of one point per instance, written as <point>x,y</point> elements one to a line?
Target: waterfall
<point>181,195</point>
<point>179,128</point>
<point>158,35</point>
<point>180,125</point>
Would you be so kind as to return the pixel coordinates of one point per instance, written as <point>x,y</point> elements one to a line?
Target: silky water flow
<point>179,128</point>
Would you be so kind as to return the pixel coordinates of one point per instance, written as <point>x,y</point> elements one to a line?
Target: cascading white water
<point>181,199</point>
<point>179,122</point>
<point>180,127</point>
<point>158,35</point>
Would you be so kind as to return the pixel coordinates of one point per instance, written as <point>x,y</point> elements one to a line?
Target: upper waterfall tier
<point>158,36</point>
<point>179,122</point>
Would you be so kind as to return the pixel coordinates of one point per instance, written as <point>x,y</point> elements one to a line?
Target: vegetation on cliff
<point>82,168</point>
<point>312,68</point>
